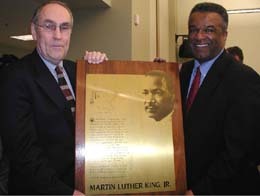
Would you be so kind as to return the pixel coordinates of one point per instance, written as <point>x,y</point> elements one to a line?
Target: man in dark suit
<point>220,126</point>
<point>5,60</point>
<point>37,118</point>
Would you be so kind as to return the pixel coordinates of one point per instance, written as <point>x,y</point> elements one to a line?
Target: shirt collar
<point>204,67</point>
<point>50,65</point>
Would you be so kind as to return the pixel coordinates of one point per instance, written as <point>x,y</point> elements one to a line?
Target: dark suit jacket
<point>4,168</point>
<point>38,129</point>
<point>221,129</point>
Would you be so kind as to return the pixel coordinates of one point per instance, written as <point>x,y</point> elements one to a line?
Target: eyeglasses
<point>51,27</point>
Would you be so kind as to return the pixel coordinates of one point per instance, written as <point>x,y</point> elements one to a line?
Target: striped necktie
<point>193,90</point>
<point>65,89</point>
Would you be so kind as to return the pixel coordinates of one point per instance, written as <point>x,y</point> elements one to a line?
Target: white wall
<point>107,30</point>
<point>164,29</point>
<point>172,31</point>
<point>144,33</point>
<point>153,36</point>
<point>244,32</point>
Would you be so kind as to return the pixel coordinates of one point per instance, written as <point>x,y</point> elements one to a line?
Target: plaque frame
<point>128,67</point>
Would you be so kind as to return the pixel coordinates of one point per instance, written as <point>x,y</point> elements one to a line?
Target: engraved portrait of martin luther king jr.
<point>158,94</point>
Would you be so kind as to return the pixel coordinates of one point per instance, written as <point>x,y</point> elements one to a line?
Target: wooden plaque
<point>129,132</point>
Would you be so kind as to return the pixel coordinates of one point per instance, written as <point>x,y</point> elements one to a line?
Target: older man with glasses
<point>38,106</point>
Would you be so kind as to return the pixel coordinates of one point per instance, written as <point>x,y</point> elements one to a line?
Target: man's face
<point>158,99</point>
<point>206,35</point>
<point>53,44</point>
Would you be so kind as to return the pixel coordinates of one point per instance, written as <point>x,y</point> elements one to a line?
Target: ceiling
<point>15,18</point>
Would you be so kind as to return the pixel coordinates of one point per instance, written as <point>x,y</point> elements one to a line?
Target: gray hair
<point>38,10</point>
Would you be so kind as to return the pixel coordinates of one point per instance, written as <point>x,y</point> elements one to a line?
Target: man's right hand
<point>78,193</point>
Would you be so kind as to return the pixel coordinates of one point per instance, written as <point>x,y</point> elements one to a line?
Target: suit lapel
<point>185,79</point>
<point>210,83</point>
<point>47,82</point>
<point>49,86</point>
<point>185,75</point>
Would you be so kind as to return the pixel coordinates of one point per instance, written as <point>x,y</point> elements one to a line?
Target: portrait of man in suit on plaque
<point>158,94</point>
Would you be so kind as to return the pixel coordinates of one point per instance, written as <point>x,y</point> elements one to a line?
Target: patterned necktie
<point>193,90</point>
<point>65,89</point>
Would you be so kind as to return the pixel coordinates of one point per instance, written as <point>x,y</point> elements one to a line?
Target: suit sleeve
<point>21,140</point>
<point>4,169</point>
